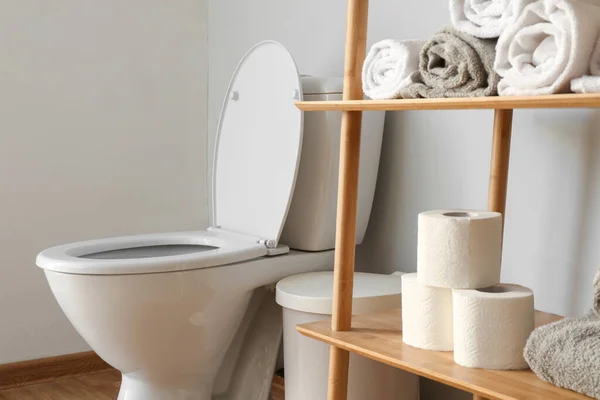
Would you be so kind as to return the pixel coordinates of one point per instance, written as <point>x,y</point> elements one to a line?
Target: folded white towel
<point>481,18</point>
<point>547,45</point>
<point>390,67</point>
<point>586,84</point>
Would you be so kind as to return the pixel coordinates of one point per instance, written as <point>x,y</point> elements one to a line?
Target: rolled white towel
<point>547,45</point>
<point>481,18</point>
<point>595,60</point>
<point>390,66</point>
<point>591,83</point>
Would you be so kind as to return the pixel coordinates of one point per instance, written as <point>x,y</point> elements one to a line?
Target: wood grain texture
<point>346,222</point>
<point>379,337</point>
<point>500,161</point>
<point>98,386</point>
<point>478,397</point>
<point>51,368</point>
<point>339,367</point>
<point>278,388</point>
<point>591,100</point>
<point>356,47</point>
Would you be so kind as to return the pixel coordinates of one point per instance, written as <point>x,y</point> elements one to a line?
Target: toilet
<point>164,308</point>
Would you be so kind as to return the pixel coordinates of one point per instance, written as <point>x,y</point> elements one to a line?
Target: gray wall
<point>102,133</point>
<point>441,159</point>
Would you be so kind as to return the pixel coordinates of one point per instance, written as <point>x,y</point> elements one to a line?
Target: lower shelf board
<point>379,337</point>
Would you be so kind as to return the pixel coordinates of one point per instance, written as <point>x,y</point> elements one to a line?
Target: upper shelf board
<point>591,100</point>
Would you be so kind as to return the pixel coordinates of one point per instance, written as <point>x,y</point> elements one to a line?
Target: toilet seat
<point>74,258</point>
<point>257,154</point>
<point>258,145</point>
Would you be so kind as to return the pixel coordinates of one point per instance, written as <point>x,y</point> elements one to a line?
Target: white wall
<point>441,159</point>
<point>102,133</point>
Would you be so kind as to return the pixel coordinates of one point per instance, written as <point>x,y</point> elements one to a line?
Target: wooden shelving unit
<point>379,336</point>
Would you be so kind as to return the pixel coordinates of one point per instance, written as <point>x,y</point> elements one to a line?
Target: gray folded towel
<point>455,64</point>
<point>567,353</point>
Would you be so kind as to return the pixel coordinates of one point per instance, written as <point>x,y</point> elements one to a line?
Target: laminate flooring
<point>98,386</point>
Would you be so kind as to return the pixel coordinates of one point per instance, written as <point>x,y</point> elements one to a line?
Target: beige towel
<point>455,64</point>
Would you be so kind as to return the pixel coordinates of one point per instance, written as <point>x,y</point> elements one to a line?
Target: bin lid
<point>313,292</point>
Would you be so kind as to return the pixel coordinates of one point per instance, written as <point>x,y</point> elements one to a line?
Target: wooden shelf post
<point>356,41</point>
<point>500,161</point>
<point>499,168</point>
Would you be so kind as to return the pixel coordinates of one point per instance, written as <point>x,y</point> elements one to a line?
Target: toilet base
<point>136,389</point>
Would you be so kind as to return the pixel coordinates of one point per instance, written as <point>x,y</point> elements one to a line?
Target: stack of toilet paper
<point>455,301</point>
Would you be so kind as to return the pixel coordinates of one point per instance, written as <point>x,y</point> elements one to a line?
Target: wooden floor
<point>99,386</point>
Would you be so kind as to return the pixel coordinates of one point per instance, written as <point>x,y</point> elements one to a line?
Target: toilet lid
<point>258,144</point>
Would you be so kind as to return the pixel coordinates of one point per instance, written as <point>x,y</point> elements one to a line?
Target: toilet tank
<point>310,224</point>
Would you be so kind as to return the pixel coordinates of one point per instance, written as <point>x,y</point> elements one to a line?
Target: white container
<point>308,298</point>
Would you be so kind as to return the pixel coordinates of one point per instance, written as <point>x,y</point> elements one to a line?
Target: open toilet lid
<point>258,146</point>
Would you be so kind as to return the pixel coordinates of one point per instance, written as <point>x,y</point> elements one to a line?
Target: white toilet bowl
<point>166,332</point>
<point>164,308</point>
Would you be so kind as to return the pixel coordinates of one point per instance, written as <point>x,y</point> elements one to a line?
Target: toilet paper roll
<point>426,315</point>
<point>459,249</point>
<point>491,326</point>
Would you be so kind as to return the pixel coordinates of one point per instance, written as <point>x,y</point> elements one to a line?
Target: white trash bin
<point>308,298</point>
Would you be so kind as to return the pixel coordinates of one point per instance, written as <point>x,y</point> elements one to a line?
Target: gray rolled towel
<point>567,353</point>
<point>455,64</point>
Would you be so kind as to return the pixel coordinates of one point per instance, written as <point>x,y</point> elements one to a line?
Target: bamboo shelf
<point>379,337</point>
<point>384,338</point>
<point>480,103</point>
